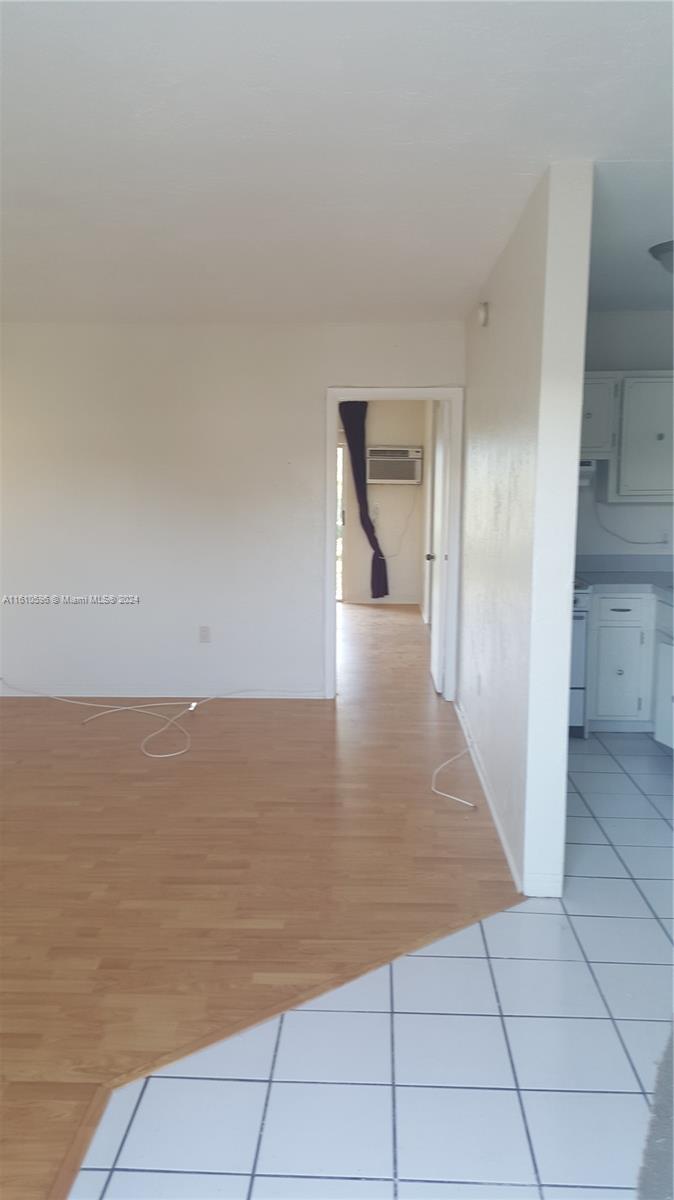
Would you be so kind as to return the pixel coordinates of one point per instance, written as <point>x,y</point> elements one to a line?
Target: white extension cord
<point>448,795</point>
<point>174,722</point>
<point>167,722</point>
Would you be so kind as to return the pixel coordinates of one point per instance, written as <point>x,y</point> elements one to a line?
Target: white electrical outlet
<point>204,633</point>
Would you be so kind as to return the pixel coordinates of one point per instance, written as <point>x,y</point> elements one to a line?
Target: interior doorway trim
<point>453,397</point>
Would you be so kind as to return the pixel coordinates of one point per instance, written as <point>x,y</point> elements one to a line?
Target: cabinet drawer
<point>622,609</point>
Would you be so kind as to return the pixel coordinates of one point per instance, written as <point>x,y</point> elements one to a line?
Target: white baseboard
<point>487,789</point>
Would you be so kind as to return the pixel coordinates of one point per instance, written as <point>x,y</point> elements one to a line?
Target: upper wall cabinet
<point>598,431</point>
<point>645,467</point>
<point>627,425</point>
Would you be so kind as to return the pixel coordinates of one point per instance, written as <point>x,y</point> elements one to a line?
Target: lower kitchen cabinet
<point>621,658</point>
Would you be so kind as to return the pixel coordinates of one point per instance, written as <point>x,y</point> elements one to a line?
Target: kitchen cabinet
<point>621,658</point>
<point>598,429</point>
<point>627,426</point>
<point>663,730</point>
<point>645,459</point>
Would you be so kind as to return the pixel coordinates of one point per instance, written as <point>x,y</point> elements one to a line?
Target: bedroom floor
<point>511,1060</point>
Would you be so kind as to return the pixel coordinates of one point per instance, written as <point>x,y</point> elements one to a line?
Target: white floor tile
<point>157,1185</point>
<point>550,989</point>
<point>648,862</point>
<point>637,832</point>
<point>277,1188</point>
<point>466,942</point>
<point>587,1139</point>
<point>603,898</point>
<point>584,829</point>
<point>589,745</point>
<point>524,935</point>
<point>557,1193</point>
<point>536,904</point>
<point>593,762</point>
<point>567,1055</point>
<point>451,1051</point>
<point>370,993</point>
<point>444,985</point>
<point>472,1135</point>
<point>246,1055</point>
<point>645,764</point>
<point>195,1125</point>
<point>576,806</point>
<point>623,939</point>
<point>88,1185</point>
<point>616,784</point>
<point>324,1129</point>
<point>594,860</point>
<point>636,991</point>
<point>630,743</point>
<point>654,785</point>
<point>660,894</point>
<point>664,805</point>
<point>335,1047</point>
<point>646,1042</point>
<point>113,1125</point>
<point>465,1191</point>
<point>621,806</point>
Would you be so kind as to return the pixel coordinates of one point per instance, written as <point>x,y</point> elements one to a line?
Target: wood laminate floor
<point>154,906</point>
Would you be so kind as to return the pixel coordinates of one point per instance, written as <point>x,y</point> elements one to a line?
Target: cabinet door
<point>646,438</point>
<point>664,701</point>
<point>599,407</point>
<point>619,672</point>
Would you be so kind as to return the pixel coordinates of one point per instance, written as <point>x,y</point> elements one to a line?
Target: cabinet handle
<point>621,610</point>
<point>620,671</point>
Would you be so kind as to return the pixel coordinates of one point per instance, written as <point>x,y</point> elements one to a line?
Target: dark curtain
<point>354,414</point>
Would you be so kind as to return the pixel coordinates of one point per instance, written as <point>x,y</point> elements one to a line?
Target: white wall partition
<point>523,411</point>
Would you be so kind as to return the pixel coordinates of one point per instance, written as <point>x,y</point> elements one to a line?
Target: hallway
<point>154,907</point>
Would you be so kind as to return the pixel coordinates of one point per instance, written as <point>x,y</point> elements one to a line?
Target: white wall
<point>524,377</point>
<point>629,341</point>
<point>398,512</point>
<point>185,464</point>
<point>646,523</point>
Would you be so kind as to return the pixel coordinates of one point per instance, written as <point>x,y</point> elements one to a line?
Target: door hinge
<point>616,389</point>
<point>639,702</point>
<point>642,638</point>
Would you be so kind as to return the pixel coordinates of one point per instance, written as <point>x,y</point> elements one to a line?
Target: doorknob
<point>620,671</point>
<point>430,558</point>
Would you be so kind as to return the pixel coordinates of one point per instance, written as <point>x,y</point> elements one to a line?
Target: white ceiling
<point>204,161</point>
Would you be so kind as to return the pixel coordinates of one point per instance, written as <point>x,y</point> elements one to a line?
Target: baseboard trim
<point>487,789</point>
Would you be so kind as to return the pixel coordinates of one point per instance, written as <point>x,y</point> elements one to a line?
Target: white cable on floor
<point>167,722</point>
<point>447,795</point>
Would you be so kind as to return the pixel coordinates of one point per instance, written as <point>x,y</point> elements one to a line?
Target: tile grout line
<point>630,874</point>
<point>265,1106</point>
<point>635,881</point>
<point>520,1101</point>
<point>125,1135</point>
<point>608,1007</point>
<point>633,780</point>
<point>393,1086</point>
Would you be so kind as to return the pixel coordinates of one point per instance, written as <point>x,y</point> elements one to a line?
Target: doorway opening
<point>413,490</point>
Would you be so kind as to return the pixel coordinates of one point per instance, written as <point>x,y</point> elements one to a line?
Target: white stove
<point>582,593</point>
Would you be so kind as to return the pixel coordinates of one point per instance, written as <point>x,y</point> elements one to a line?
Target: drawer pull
<point>620,671</point>
<point>621,610</point>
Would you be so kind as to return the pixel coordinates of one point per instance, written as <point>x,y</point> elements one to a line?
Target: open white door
<point>438,548</point>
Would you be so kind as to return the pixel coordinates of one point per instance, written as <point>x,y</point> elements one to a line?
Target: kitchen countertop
<point>625,582</point>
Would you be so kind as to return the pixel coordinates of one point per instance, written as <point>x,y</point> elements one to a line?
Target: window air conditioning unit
<point>394,464</point>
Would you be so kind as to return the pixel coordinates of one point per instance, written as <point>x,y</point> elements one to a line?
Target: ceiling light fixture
<point>662,253</point>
